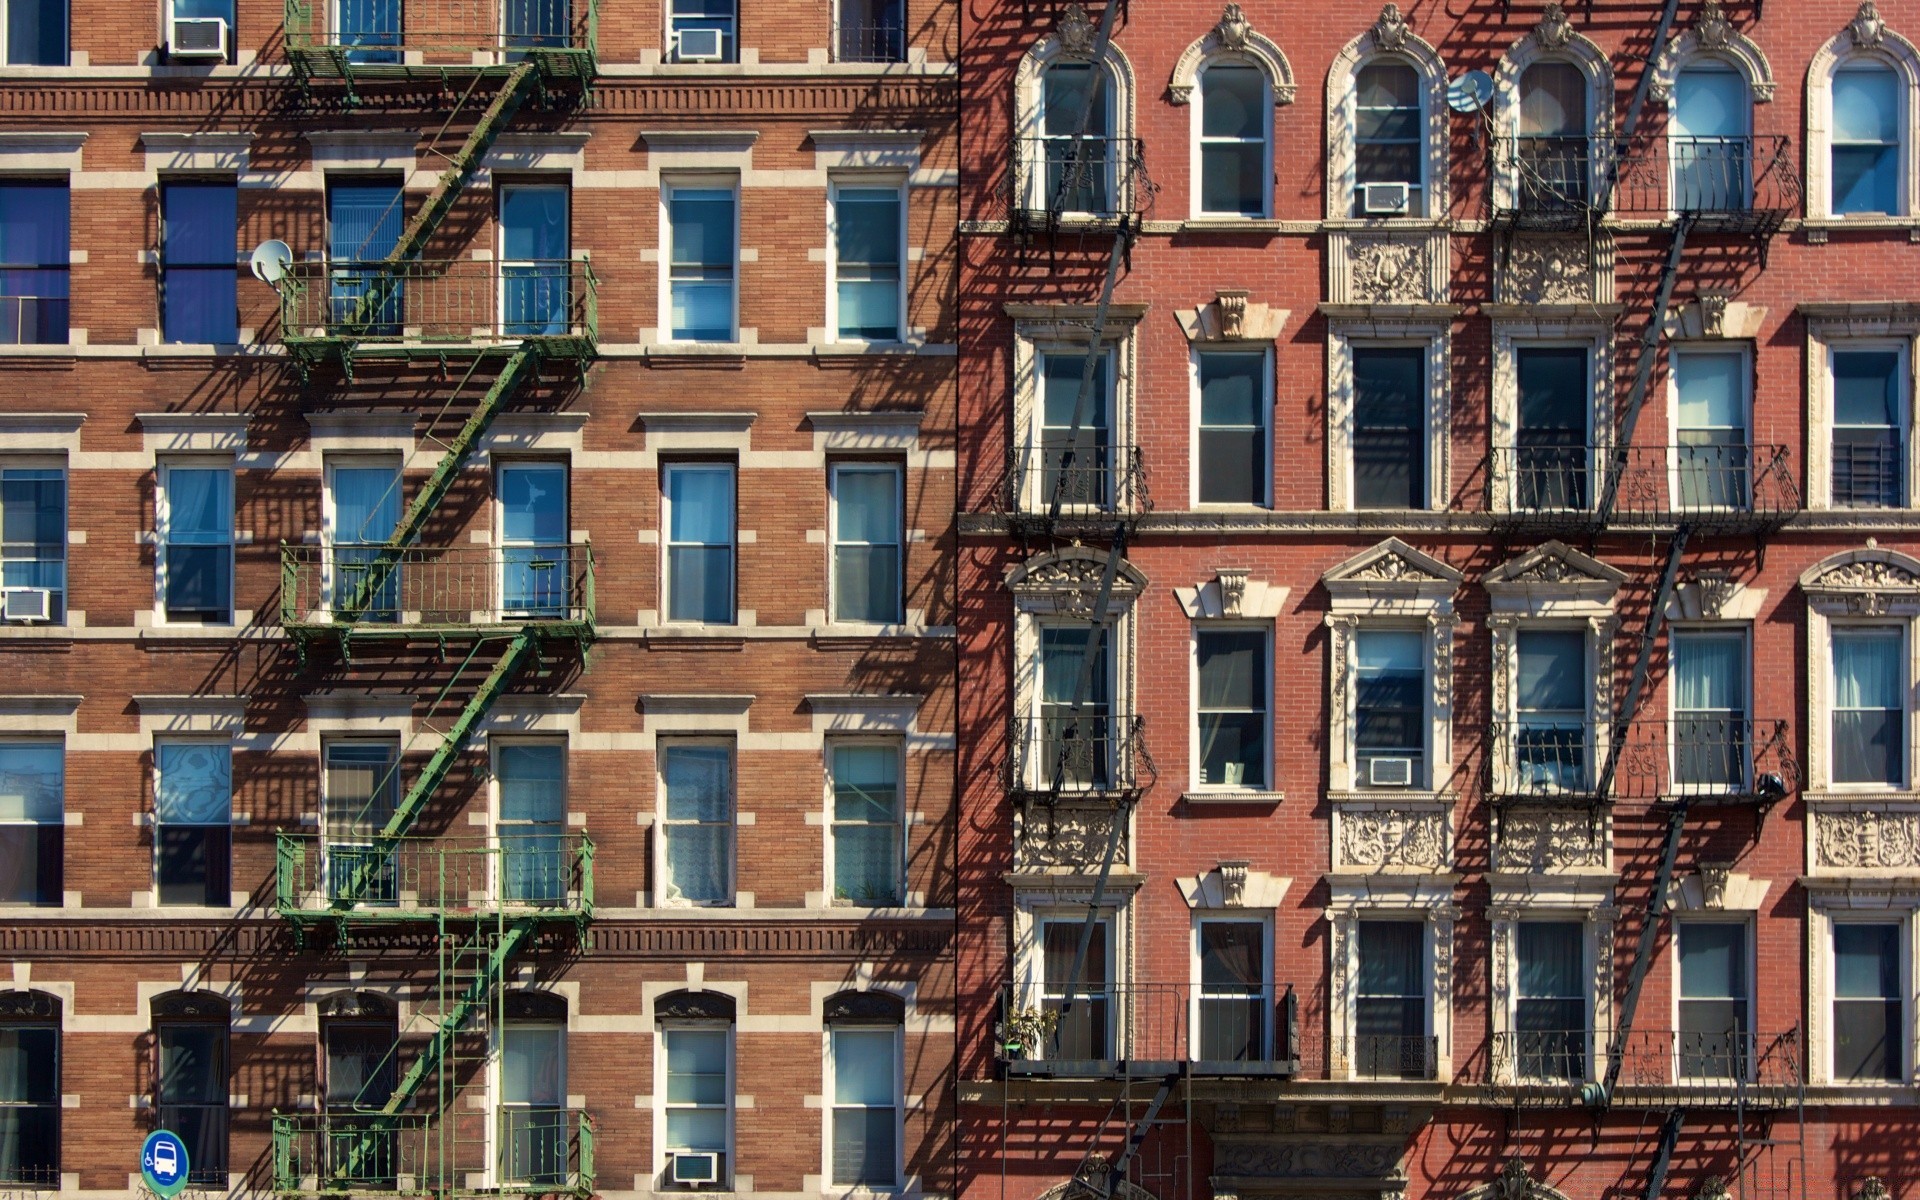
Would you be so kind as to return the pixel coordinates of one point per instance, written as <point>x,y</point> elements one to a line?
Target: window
<point>1074,745</point>
<point>1233,439</point>
<point>191,1093</point>
<point>1076,147</point>
<point>29,1089</point>
<point>534,1138</point>
<point>867,532</point>
<point>1232,1003</point>
<point>1553,157</point>
<point>33,536</point>
<point>364,220</point>
<point>535,24</point>
<point>1714,1000</point>
<point>1712,459</point>
<point>1389,133</point>
<point>535,554</point>
<point>866,1105</point>
<point>696,833</point>
<point>1389,431</point>
<point>360,790</point>
<point>1710,139</point>
<point>700,534</point>
<point>35,262</point>
<point>699,1091</point>
<point>1390,708</point>
<point>702,31</point>
<point>196,543</point>
<point>1232,666</point>
<point>1390,1009</point>
<point>204,9</point>
<point>1866,140</point>
<point>702,238</point>
<point>1550,452</point>
<point>33,808</point>
<point>1869,435</point>
<point>1083,1029</point>
<point>364,26</point>
<point>1550,711</point>
<point>1869,718</point>
<point>536,267</point>
<point>1710,727</point>
<point>1076,432</point>
<point>193,823</point>
<point>1235,179</point>
<point>866,822</point>
<point>358,1033</point>
<point>871,31</point>
<point>198,227</point>
<point>1869,1020</point>
<point>365,502</point>
<point>535,867</point>
<point>36,33</point>
<point>1550,1004</point>
<point>867,252</point>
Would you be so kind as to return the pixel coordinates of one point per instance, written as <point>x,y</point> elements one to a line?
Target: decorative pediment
<point>1395,570</point>
<point>1554,30</point>
<point>1232,594</point>
<point>1232,317</point>
<point>1713,36</point>
<point>1233,35</point>
<point>1069,581</point>
<point>1867,31</point>
<point>1077,33</point>
<point>1233,885</point>
<point>1871,582</point>
<point>1553,571</point>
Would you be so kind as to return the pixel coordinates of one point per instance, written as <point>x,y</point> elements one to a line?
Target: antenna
<point>270,260</point>
<point>1470,92</point>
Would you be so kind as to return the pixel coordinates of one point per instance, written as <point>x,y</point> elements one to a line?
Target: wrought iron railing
<point>1089,480</point>
<point>372,589</point>
<point>1738,182</point>
<point>532,874</point>
<point>442,34</point>
<point>1387,1055</point>
<point>1543,1058</point>
<point>1711,485</point>
<point>440,303</point>
<point>1105,1027</point>
<point>536,1151</point>
<point>1066,176</point>
<point>1078,754</point>
<point>1700,755</point>
<point>870,42</point>
<point>1545,758</point>
<point>1725,1067</point>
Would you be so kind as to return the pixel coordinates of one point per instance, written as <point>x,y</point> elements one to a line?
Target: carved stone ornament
<point>1391,568</point>
<point>1554,30</point>
<point>1390,31</point>
<point>1866,586</point>
<point>1233,28</point>
<point>1715,589</point>
<point>1548,270</point>
<point>1550,839</point>
<point>29,1006</point>
<point>1389,270</point>
<point>693,1006</point>
<point>362,1005</point>
<point>1077,32</point>
<point>1233,588</point>
<point>1868,30</point>
<point>1713,883</point>
<point>1070,837</point>
<point>1872,1187</point>
<point>1233,315</point>
<point>1713,1187</point>
<point>1068,581</point>
<point>1514,1180</point>
<point>1393,838</point>
<point>1306,1160</point>
<point>1713,313</point>
<point>1233,882</point>
<point>1715,33</point>
<point>1867,841</point>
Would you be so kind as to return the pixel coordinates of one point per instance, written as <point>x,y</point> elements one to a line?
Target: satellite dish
<point>1470,92</point>
<point>270,260</point>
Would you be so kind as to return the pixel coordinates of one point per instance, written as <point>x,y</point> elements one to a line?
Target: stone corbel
<point>1717,887</point>
<point>1232,884</point>
<point>1232,317</point>
<point>1232,594</point>
<point>1715,596</point>
<point>1717,315</point>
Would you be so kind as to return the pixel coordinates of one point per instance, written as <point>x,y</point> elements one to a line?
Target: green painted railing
<point>526,875</point>
<point>445,303</point>
<point>375,590</point>
<point>562,35</point>
<point>532,1151</point>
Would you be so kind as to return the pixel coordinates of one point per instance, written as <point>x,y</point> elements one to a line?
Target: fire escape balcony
<point>1087,180</point>
<point>1733,1067</point>
<point>1706,758</point>
<point>1052,490</point>
<point>1741,185</point>
<point>372,591</point>
<point>529,1150</point>
<point>1113,1031</point>
<point>368,878</point>
<point>442,39</point>
<point>1088,756</point>
<point>1556,486</point>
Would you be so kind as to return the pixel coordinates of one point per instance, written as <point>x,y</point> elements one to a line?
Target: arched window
<point>1553,105</point>
<point>1553,143</point>
<point>192,1069</point>
<point>1236,142</point>
<point>694,1068</point>
<point>1867,119</point>
<point>1386,133</point>
<point>1861,122</point>
<point>1710,139</point>
<point>865,1083</point>
<point>29,1089</point>
<point>360,1065</point>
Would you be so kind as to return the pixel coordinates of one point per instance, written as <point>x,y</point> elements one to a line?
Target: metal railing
<point>1143,1028</point>
<point>1736,1066</point>
<point>1089,753</point>
<point>531,874</point>
<point>1543,1058</point>
<point>1068,176</point>
<point>1545,758</point>
<point>34,321</point>
<point>535,1151</point>
<point>442,34</point>
<point>1869,474</point>
<point>1090,480</point>
<point>373,589</point>
<point>1733,183</point>
<point>1702,756</point>
<point>440,303</point>
<point>1721,486</point>
<point>870,42</point>
<point>1387,1055</point>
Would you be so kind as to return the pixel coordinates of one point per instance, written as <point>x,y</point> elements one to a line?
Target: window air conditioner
<point>28,604</point>
<point>198,37</point>
<point>698,45</point>
<point>1389,772</point>
<point>695,1169</point>
<point>1385,199</point>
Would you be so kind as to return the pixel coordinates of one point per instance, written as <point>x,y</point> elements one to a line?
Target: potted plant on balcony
<point>1025,1029</point>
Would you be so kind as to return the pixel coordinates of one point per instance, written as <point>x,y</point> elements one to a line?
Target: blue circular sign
<point>163,1163</point>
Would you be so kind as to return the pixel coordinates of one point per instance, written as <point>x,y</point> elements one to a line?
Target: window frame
<point>222,889</point>
<point>58,603</point>
<point>54,896</point>
<point>212,268</point>
<point>1903,923</point>
<point>1196,1025</point>
<point>327,840</point>
<point>1856,44</point>
<point>896,1034</point>
<point>505,547</point>
<point>667,545</point>
<point>1743,352</point>
<point>199,1173</point>
<point>1823,425</point>
<point>897,41</point>
<point>1262,433</point>
<point>559,872</point>
<point>564,277</point>
<point>556,1027</point>
<point>669,188</point>
<point>1902,145</point>
<point>1593,737</point>
<point>51,1111</point>
<point>729,36</point>
<point>331,574</point>
<point>1712,64</point>
<point>1420,204</point>
<point>663,1154</point>
<point>663,824</point>
<point>1200,140</point>
<point>1266,692</point>
<point>66,37</point>
<point>163,537</point>
<point>1511,340</point>
<point>1115,989</point>
<point>900,188</point>
<point>901,823</point>
<point>835,469</point>
<point>63,269</point>
<point>1748,1051</point>
<point>1429,937</point>
<point>1423,778</point>
<point>1346,336</point>
<point>1584,932</point>
<point>1825,720</point>
<point>1728,631</point>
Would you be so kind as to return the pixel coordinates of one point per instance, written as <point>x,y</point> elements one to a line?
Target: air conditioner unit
<point>695,1169</point>
<point>27,604</point>
<point>1389,772</point>
<point>699,45</point>
<point>198,37</point>
<point>1385,199</point>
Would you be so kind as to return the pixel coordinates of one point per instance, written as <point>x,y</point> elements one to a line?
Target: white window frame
<point>501,1105</point>
<point>888,181</point>
<point>1510,338</point>
<point>501,465</point>
<point>1719,630</point>
<point>1755,168</point>
<point>1199,139</point>
<point>732,469</point>
<point>1744,352</point>
<point>329,517</point>
<point>163,493</point>
<point>225,743</point>
<point>1587,901</point>
<point>1264,432</point>
<point>1826,337</point>
<point>57,462</point>
<point>1881,46</point>
<point>897,470</point>
<point>661,823</point>
<point>1034,495</point>
<point>729,181</point>
<point>832,823</point>
<point>1029,115</point>
<point>1347,333</point>
<point>1044,330</point>
<point>543,183</point>
<point>1873,586</point>
<point>498,862</point>
<point>661,1105</point>
<point>1030,982</point>
<point>1267,785</point>
<point>1264,919</point>
<point>1428,901</point>
<point>1828,908</point>
<point>1395,44</point>
<point>397,748</point>
<point>1744,921</point>
<point>830,1108</point>
<point>1827,712</point>
<point>6,47</point>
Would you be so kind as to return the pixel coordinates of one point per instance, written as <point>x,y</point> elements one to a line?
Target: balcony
<point>1050,489</point>
<point>1076,178</point>
<point>1545,1065</point>
<point>1383,1056</point>
<point>1742,185</point>
<point>1112,1031</point>
<point>1710,486</point>
<point>439,38</point>
<point>532,1151</point>
<point>1667,1067</point>
<point>368,591</point>
<point>1708,759</point>
<point>538,875</point>
<point>1055,756</point>
<point>357,309</point>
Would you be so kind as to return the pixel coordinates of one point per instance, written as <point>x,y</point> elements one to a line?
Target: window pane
<point>1390,958</point>
<point>533,504</point>
<point>699,782</point>
<point>1552,959</point>
<point>1065,97</point>
<point>533,223</point>
<point>1060,391</point>
<point>702,221</point>
<point>1233,102</point>
<point>1552,670</point>
<point>1712,390</point>
<point>37,33</point>
<point>533,1065</point>
<point>863,1069</point>
<point>863,1152</point>
<point>28,1073</point>
<point>867,226</point>
<point>199,505</point>
<point>1388,427</point>
<point>866,783</point>
<point>1232,955</point>
<point>1710,100</point>
<point>1866,387</point>
<point>193,784</point>
<point>32,782</point>
<point>1553,100</point>
<point>868,505</point>
<point>193,1066</point>
<point>1232,706</point>
<point>1710,673</point>
<point>1866,105</point>
<point>700,504</point>
<point>532,780</point>
<point>1233,179</point>
<point>364,220</point>
<point>1869,716</point>
<point>1867,1017</point>
<point>1713,958</point>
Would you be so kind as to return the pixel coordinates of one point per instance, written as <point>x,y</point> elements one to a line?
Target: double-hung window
<point>1389,717</point>
<point>696,827</point>
<point>364,221</point>
<point>1390,1005</point>
<point>357,1039</point>
<point>1232,1005</point>
<point>35,263</point>
<point>1869,428</point>
<point>536,259</point>
<point>1389,427</point>
<point>36,33</point>
<point>1551,746</point>
<point>1389,137</point>
<point>1075,743</point>
<point>867,253</point>
<point>1550,1001</point>
<point>1082,1006</point>
<point>699,1100</point>
<point>1867,116</point>
<point>196,542</point>
<point>1715,999</point>
<point>866,1105</point>
<point>199,223</point>
<point>1235,179</point>
<point>360,788</point>
<point>866,827</point>
<point>1232,667</point>
<point>533,1093</point>
<point>1550,438</point>
<point>703,31</point>
<point>1711,139</point>
<point>193,822</point>
<point>30,1091</point>
<point>1231,464</point>
<point>1552,155</point>
<point>1076,431</point>
<point>702,258</point>
<point>1869,715</point>
<point>33,541</point>
<point>870,31</point>
<point>191,1096</point>
<point>369,30</point>
<point>867,543</point>
<point>1712,458</point>
<point>1075,152</point>
<point>535,867</point>
<point>364,511</point>
<point>536,571</point>
<point>1869,1011</point>
<point>1711,730</point>
<point>700,542</point>
<point>32,822</point>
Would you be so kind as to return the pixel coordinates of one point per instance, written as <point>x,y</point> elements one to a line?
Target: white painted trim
<point>1342,149</point>
<point>1421,328</point>
<point>1844,48</point>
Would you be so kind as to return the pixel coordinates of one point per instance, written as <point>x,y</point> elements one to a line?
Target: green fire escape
<point>483,617</point>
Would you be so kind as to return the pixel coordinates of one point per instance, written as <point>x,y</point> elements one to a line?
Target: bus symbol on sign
<point>163,1163</point>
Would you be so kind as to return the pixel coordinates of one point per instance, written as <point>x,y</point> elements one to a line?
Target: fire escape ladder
<point>519,84</point>
<point>1668,12</point>
<point>469,993</point>
<point>1643,367</point>
<point>1663,1153</point>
